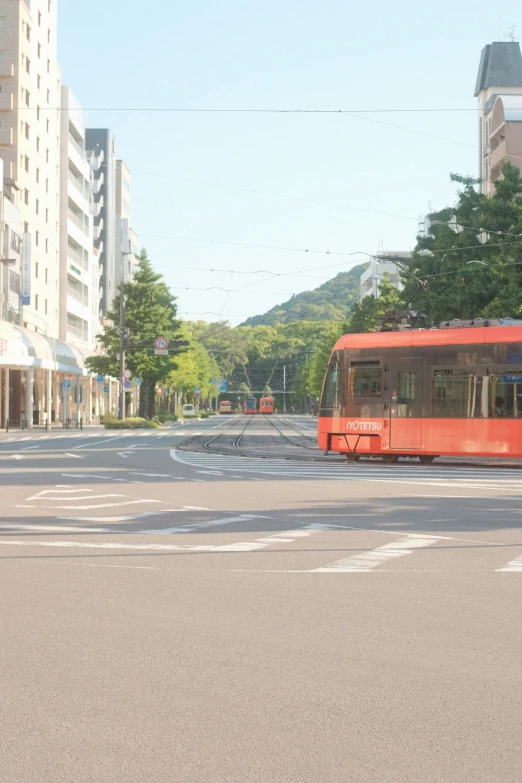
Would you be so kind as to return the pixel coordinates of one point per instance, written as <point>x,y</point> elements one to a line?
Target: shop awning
<point>21,349</point>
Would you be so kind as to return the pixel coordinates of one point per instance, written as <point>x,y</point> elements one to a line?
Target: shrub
<point>163,417</point>
<point>203,415</point>
<point>130,424</point>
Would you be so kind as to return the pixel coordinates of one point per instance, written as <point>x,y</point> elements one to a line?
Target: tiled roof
<point>500,66</point>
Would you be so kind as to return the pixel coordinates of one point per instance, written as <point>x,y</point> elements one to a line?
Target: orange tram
<point>225,406</point>
<point>450,391</point>
<point>266,405</point>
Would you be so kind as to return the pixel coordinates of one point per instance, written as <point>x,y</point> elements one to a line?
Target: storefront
<point>44,382</point>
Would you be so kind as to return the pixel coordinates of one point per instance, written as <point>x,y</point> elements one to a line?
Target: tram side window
<point>505,396</point>
<point>365,379</point>
<point>331,387</point>
<point>455,396</point>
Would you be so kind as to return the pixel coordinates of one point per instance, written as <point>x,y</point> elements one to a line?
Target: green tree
<point>150,311</point>
<point>369,313</point>
<point>470,264</point>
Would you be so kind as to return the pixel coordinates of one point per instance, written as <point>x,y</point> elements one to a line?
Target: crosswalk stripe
<point>370,560</point>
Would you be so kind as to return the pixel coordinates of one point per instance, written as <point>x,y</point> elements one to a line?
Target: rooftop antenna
<point>511,33</point>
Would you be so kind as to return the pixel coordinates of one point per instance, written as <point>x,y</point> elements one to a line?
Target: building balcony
<point>96,207</point>
<point>7,69</point>
<point>6,137</point>
<point>80,149</point>
<point>497,158</point>
<point>96,184</point>
<point>97,232</point>
<point>6,101</point>
<point>95,158</point>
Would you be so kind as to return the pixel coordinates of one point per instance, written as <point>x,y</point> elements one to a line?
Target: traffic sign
<point>161,343</point>
<point>197,388</point>
<point>166,390</point>
<point>65,384</point>
<point>137,381</point>
<point>213,381</point>
<point>127,374</point>
<point>197,394</point>
<point>105,389</point>
<point>100,379</point>
<point>127,384</point>
<point>223,387</point>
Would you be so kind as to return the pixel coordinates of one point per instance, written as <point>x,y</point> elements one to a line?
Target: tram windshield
<point>331,387</point>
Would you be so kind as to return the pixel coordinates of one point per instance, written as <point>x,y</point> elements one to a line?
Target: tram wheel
<point>353,458</point>
<point>426,459</point>
<point>390,459</point>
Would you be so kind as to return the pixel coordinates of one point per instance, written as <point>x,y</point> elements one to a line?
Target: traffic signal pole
<point>122,354</point>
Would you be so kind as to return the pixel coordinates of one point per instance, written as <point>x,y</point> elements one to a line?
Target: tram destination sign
<point>511,379</point>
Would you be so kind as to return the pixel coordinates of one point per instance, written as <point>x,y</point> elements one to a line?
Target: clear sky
<point>192,170</point>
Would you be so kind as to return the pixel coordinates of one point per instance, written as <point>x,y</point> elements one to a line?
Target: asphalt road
<point>174,615</point>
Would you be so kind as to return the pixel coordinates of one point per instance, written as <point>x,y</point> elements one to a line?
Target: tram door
<point>405,389</point>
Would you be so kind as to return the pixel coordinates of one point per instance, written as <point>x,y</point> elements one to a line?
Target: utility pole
<point>123,341</point>
<point>284,388</point>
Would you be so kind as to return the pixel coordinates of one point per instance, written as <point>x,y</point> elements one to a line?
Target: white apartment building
<point>380,269</point>
<point>30,149</point>
<point>80,200</point>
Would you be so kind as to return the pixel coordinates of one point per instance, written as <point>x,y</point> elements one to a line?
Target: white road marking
<point>101,442</point>
<point>31,448</point>
<point>75,456</point>
<point>127,518</point>
<point>210,472</point>
<point>57,491</point>
<point>514,566</point>
<point>92,476</point>
<point>125,454</point>
<point>106,505</point>
<point>191,528</point>
<point>369,560</point>
<point>17,456</point>
<point>102,565</point>
<point>153,475</point>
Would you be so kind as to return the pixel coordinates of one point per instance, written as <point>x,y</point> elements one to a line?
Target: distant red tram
<point>427,393</point>
<point>266,405</point>
<point>250,405</point>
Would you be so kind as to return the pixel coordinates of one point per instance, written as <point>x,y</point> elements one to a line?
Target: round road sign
<point>161,343</point>
<point>127,374</point>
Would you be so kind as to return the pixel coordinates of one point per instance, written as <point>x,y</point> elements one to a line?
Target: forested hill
<point>332,301</point>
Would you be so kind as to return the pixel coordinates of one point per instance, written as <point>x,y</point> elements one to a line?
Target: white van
<point>189,412</point>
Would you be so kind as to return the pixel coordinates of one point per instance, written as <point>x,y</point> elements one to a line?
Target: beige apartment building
<point>499,93</point>
<point>30,148</point>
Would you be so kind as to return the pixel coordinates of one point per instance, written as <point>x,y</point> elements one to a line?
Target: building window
<point>28,65</point>
<point>46,306</point>
<point>37,112</point>
<point>36,268</point>
<point>48,66</point>
<point>27,97</point>
<point>26,196</point>
<point>48,36</point>
<point>26,162</point>
<point>37,240</point>
<point>14,282</point>
<point>47,125</point>
<point>38,144</point>
<point>39,50</point>
<point>47,156</point>
<point>46,215</point>
<point>36,302</point>
<point>46,271</point>
<point>28,32</point>
<point>48,96</point>
<point>39,81</point>
<point>38,175</point>
<point>26,131</point>
<point>46,250</point>
<point>37,208</point>
<point>47,186</point>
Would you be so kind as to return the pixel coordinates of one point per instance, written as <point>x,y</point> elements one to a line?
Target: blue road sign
<point>100,378</point>
<point>127,384</point>
<point>197,388</point>
<point>166,390</point>
<point>223,387</point>
<point>137,381</point>
<point>512,379</point>
<point>105,389</point>
<point>213,381</point>
<point>66,385</point>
